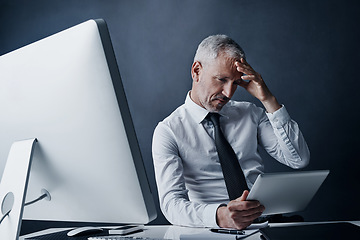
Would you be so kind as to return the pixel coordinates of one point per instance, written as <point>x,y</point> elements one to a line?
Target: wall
<point>307,52</point>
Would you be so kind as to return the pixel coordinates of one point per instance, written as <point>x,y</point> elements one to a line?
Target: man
<point>189,175</point>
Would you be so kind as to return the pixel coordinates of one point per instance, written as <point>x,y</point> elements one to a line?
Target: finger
<point>243,62</point>
<point>238,66</point>
<point>244,195</point>
<point>251,77</point>
<point>253,211</point>
<point>245,70</point>
<point>246,216</point>
<point>248,212</point>
<point>242,205</point>
<point>243,65</point>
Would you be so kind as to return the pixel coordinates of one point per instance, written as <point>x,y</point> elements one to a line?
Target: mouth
<point>221,99</point>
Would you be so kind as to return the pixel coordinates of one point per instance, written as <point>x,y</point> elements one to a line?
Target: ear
<point>195,70</point>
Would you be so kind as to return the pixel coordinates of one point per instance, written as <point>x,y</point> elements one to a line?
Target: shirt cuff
<point>210,215</point>
<point>279,118</point>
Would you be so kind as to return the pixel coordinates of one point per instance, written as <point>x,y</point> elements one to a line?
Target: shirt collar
<point>199,113</point>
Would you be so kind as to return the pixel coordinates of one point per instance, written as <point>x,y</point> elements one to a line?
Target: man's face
<point>214,82</point>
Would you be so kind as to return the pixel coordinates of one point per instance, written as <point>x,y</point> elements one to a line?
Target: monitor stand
<point>13,187</point>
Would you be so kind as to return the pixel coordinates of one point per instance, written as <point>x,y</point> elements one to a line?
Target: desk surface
<point>174,232</point>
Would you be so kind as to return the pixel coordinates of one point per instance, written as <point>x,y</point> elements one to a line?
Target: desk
<point>174,232</point>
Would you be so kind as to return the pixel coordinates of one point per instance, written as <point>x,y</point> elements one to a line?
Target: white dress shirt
<point>188,173</point>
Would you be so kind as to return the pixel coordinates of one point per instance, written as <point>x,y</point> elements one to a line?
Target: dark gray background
<point>307,52</point>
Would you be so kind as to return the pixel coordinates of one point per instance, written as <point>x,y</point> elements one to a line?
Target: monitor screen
<point>66,91</point>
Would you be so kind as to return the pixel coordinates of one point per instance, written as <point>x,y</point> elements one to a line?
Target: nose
<point>229,89</point>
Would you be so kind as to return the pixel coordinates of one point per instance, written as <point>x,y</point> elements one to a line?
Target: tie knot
<point>214,118</point>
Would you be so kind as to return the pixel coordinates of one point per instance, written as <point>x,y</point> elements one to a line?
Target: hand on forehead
<point>243,67</point>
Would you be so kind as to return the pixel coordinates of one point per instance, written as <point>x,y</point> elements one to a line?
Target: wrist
<point>219,215</point>
<point>271,104</point>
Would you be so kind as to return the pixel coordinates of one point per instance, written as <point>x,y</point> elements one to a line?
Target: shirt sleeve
<point>282,139</point>
<point>173,195</point>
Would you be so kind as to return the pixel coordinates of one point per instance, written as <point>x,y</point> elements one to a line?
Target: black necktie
<point>233,175</point>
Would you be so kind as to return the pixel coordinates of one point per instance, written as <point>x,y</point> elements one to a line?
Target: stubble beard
<point>211,106</point>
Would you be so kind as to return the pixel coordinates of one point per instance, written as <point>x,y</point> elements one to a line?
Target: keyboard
<point>123,238</point>
<point>62,236</point>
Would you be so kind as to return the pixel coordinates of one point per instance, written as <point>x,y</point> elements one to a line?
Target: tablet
<point>286,192</point>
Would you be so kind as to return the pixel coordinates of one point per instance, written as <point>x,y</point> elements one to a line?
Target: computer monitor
<point>66,91</point>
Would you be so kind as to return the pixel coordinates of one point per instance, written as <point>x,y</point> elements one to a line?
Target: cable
<point>8,202</point>
<point>36,200</point>
<point>3,217</point>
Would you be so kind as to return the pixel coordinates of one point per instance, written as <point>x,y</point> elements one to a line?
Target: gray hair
<point>211,46</point>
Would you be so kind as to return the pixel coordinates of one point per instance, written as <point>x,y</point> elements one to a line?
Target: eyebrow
<point>221,77</point>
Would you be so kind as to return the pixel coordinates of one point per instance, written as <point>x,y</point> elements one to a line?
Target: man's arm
<point>278,133</point>
<point>173,195</point>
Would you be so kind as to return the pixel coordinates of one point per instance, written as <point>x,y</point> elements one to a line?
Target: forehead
<point>224,66</point>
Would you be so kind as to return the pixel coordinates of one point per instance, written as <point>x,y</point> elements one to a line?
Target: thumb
<point>244,195</point>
